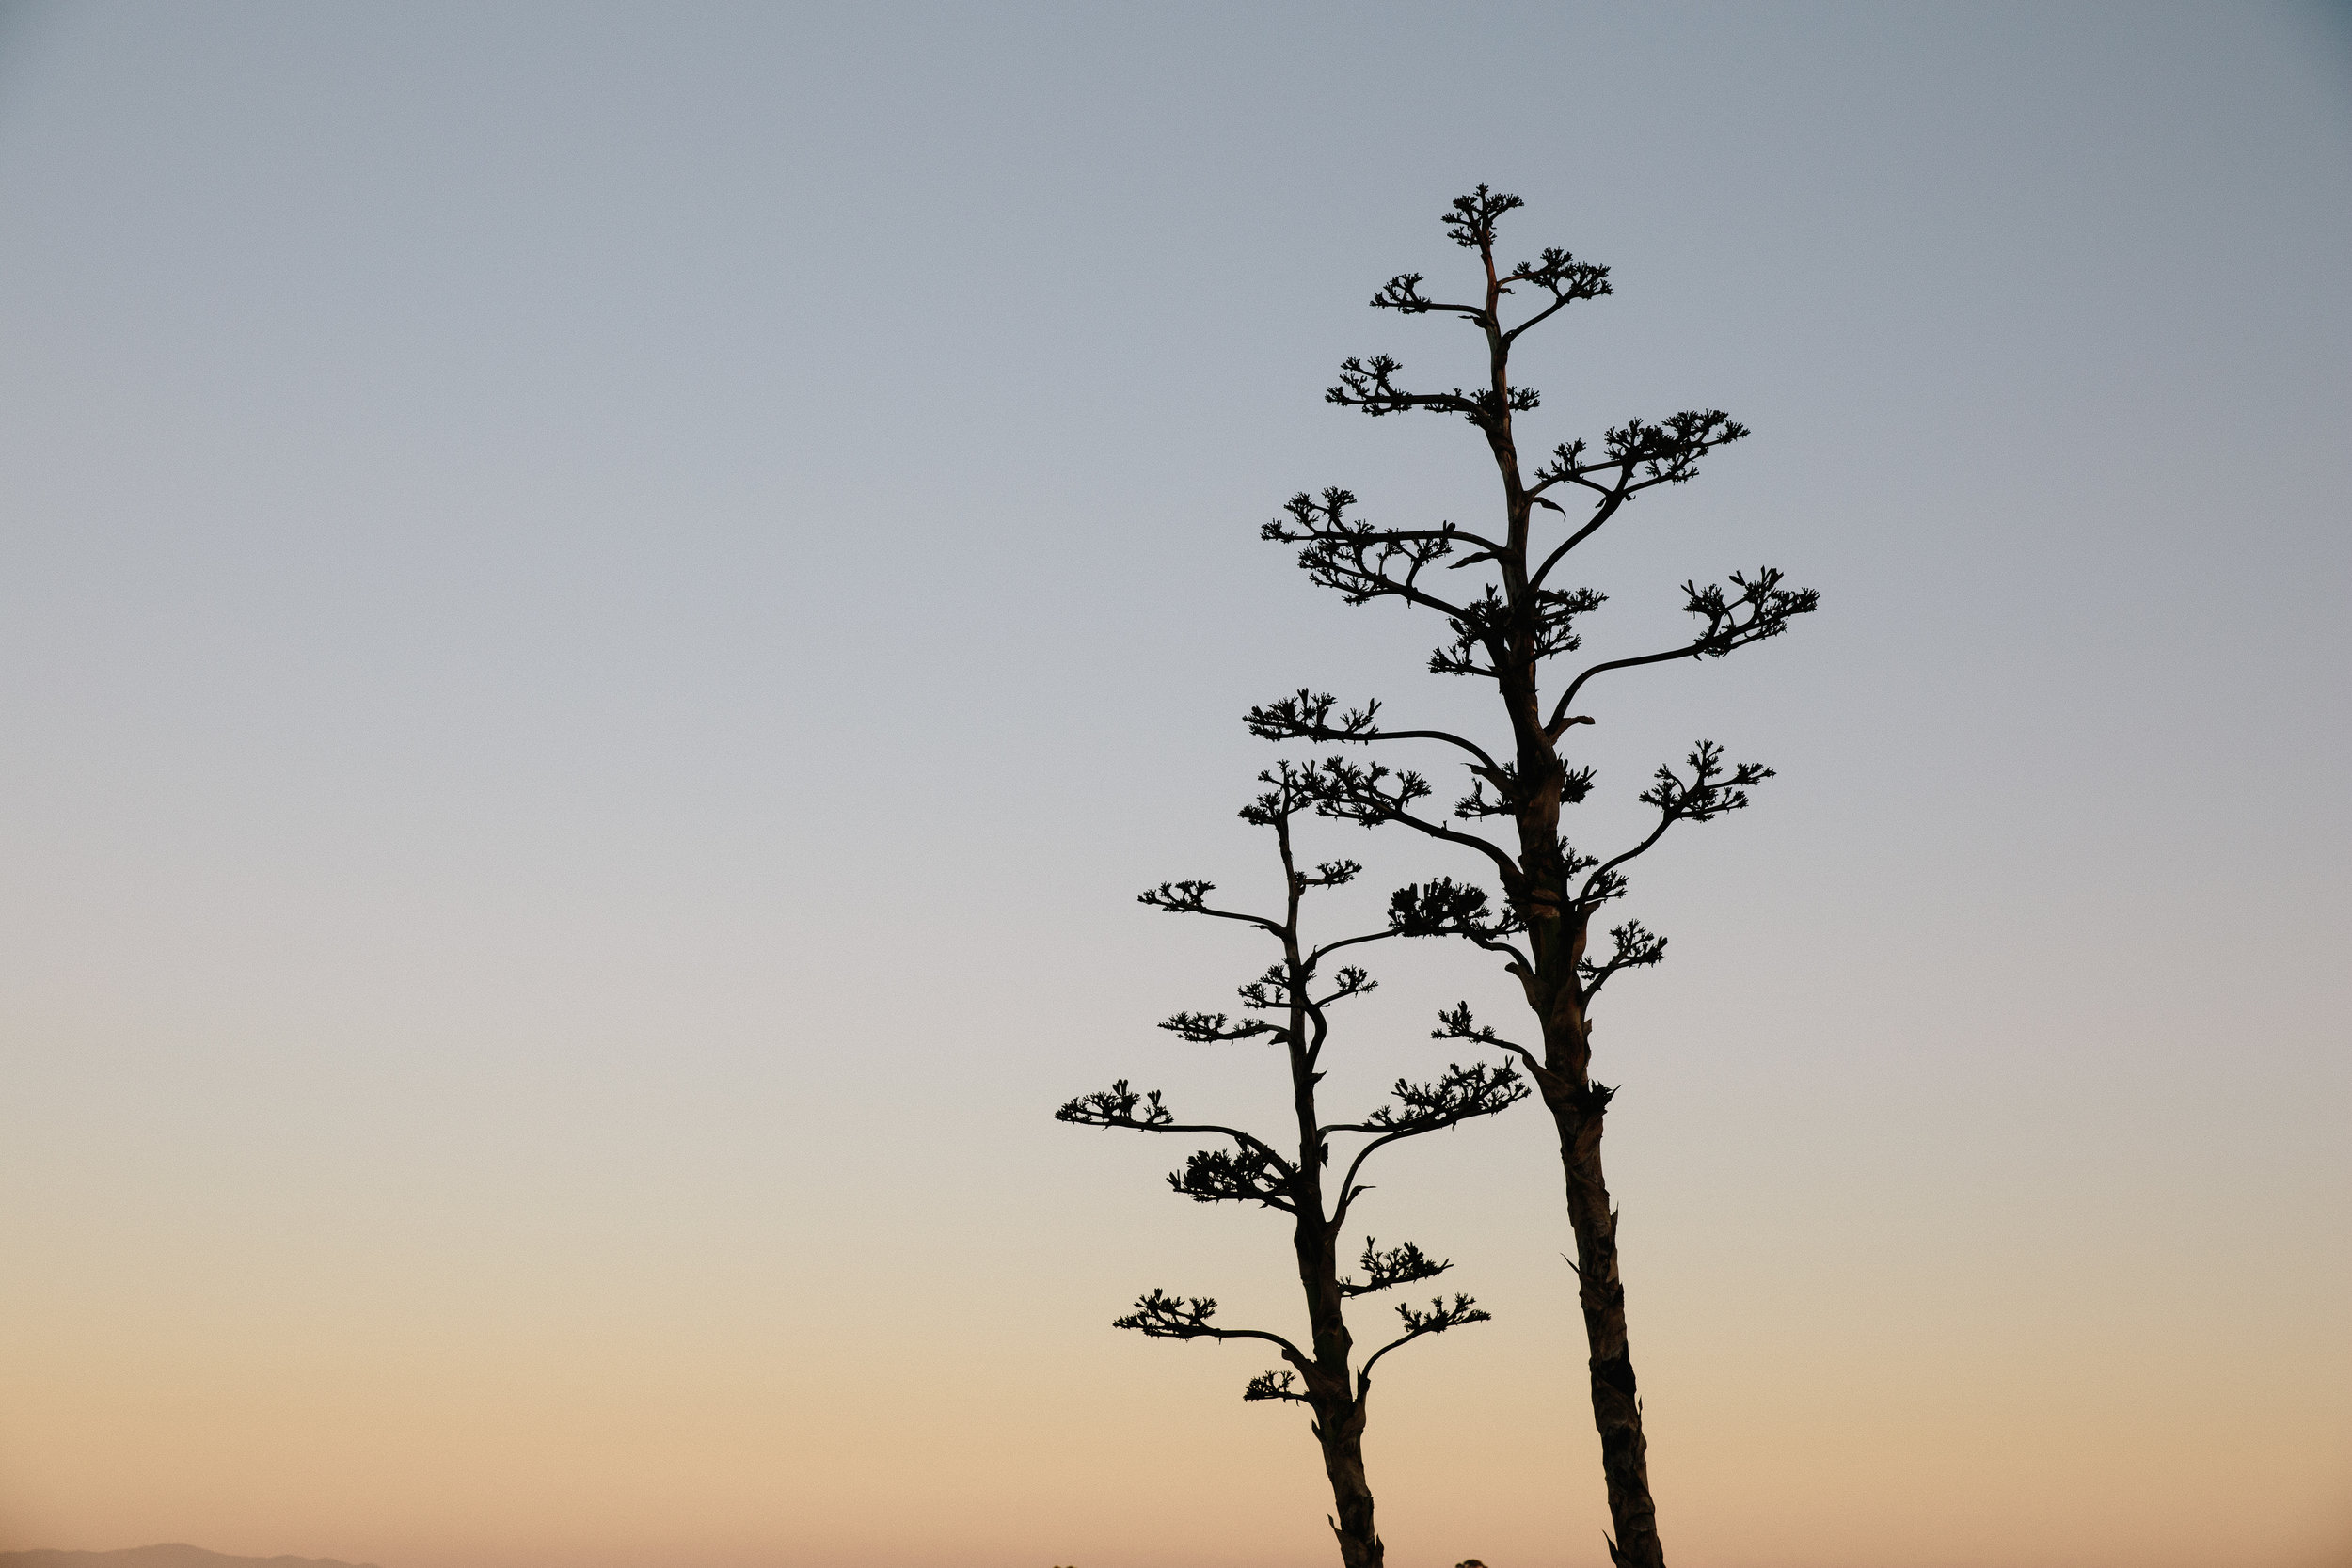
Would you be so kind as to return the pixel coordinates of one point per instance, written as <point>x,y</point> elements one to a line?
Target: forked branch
<point>1636,948</point>
<point>1760,609</point>
<point>1418,1323</point>
<point>1711,791</point>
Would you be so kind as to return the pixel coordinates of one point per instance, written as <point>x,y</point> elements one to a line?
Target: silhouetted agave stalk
<point>1288,1007</point>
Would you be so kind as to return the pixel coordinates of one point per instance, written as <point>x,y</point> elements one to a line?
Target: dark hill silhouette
<point>172,1556</point>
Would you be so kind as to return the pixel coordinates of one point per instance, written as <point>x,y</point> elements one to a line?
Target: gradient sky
<point>602,610</point>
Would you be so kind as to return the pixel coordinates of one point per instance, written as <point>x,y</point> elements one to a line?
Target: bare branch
<point>1330,947</point>
<point>1268,993</point>
<point>1601,514</point>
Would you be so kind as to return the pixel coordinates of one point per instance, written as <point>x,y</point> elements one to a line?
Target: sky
<point>603,608</point>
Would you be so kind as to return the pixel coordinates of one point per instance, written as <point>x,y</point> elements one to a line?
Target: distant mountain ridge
<point>175,1555</point>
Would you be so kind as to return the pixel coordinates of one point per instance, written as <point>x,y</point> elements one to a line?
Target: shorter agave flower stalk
<point>1288,1007</point>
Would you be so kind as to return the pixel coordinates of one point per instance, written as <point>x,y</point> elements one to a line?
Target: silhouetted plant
<point>1512,622</point>
<point>1290,1003</point>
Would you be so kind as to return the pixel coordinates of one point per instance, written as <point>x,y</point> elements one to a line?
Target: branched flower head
<point>1636,948</point>
<point>1268,993</point>
<point>1215,1028</point>
<point>1458,1095</point>
<point>1761,607</point>
<point>1445,908</point>
<point>1116,1106</point>
<point>1441,1316</point>
<point>1252,1175</point>
<point>1307,716</point>
<point>1361,562</point>
<point>1708,792</point>
<point>1399,1265</point>
<point>1469,222</point>
<point>1272,1385</point>
<point>1562,276</point>
<point>1288,790</point>
<point>1360,792</point>
<point>1456,1024</point>
<point>1371,385</point>
<point>1162,1316</point>
<point>1178,897</point>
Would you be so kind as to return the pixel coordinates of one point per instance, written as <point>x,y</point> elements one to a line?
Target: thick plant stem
<point>1336,1397</point>
<point>1341,1433</point>
<point>1557,918</point>
<point>1616,1408</point>
<point>1580,1110</point>
<point>1557,927</point>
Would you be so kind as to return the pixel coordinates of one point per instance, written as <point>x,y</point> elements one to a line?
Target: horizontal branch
<point>1191,897</point>
<point>1307,716</point>
<point>1358,560</point>
<point>1161,1316</point>
<point>1215,1029</point>
<point>1117,1105</point>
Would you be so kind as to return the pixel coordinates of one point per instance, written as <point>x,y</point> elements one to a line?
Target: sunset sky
<point>603,608</point>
